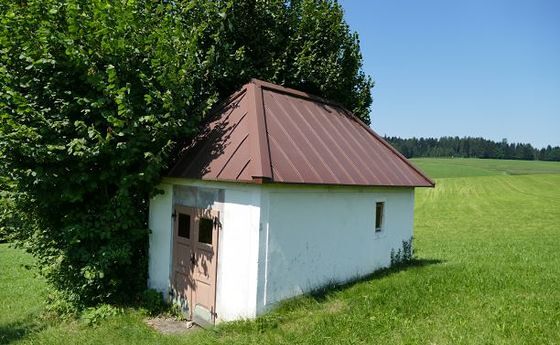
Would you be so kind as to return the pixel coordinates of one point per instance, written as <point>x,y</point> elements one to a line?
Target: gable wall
<point>179,192</point>
<point>238,246</point>
<point>238,254</point>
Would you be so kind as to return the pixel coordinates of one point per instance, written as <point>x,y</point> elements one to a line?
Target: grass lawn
<point>22,295</point>
<point>489,273</point>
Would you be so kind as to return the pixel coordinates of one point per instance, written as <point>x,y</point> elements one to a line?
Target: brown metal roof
<point>269,133</point>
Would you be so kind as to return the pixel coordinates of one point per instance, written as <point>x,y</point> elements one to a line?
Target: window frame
<point>188,223</point>
<point>381,229</point>
<point>213,224</point>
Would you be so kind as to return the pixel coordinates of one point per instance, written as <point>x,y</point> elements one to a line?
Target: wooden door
<point>205,267</point>
<point>183,252</point>
<point>195,260</point>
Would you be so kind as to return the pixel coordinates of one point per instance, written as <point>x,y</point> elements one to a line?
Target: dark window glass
<point>379,206</point>
<point>184,225</point>
<point>205,230</point>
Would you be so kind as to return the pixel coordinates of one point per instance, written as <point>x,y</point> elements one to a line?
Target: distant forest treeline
<point>472,148</point>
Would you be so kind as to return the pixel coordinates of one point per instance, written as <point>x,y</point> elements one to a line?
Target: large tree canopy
<point>94,95</point>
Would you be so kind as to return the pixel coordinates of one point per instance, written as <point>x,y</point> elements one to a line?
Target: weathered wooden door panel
<point>183,251</point>
<point>204,273</point>
<point>195,263</point>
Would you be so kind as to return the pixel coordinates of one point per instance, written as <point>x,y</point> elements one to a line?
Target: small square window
<point>205,230</point>
<point>379,214</point>
<point>184,226</point>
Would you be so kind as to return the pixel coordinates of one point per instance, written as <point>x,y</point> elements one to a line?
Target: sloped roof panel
<point>221,151</point>
<point>271,133</point>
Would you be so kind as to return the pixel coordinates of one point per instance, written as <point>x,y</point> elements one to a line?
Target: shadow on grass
<point>321,294</point>
<point>18,330</point>
<point>282,315</point>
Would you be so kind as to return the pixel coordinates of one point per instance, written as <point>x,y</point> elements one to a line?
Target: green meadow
<point>487,239</point>
<point>468,167</point>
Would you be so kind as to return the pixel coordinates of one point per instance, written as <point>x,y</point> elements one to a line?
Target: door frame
<point>195,215</point>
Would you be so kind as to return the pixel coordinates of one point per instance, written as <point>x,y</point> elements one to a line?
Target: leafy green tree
<point>96,95</point>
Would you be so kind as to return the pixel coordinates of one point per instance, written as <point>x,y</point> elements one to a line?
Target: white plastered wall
<point>238,246</point>
<point>314,236</point>
<point>238,254</point>
<point>161,225</point>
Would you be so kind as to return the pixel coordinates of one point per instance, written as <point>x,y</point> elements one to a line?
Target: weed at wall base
<point>403,255</point>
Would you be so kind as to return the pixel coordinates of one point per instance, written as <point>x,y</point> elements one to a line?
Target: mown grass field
<point>488,273</point>
<point>468,167</point>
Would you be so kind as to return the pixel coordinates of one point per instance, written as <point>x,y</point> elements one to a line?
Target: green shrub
<point>95,97</point>
<point>153,302</point>
<point>8,218</point>
<point>92,316</point>
<point>59,307</point>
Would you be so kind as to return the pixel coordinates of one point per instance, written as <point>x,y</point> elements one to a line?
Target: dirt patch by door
<point>170,325</point>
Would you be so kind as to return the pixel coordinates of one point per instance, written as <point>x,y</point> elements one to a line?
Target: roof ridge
<point>259,134</point>
<point>291,91</point>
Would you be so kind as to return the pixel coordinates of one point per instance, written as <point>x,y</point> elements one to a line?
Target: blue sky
<point>467,68</point>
